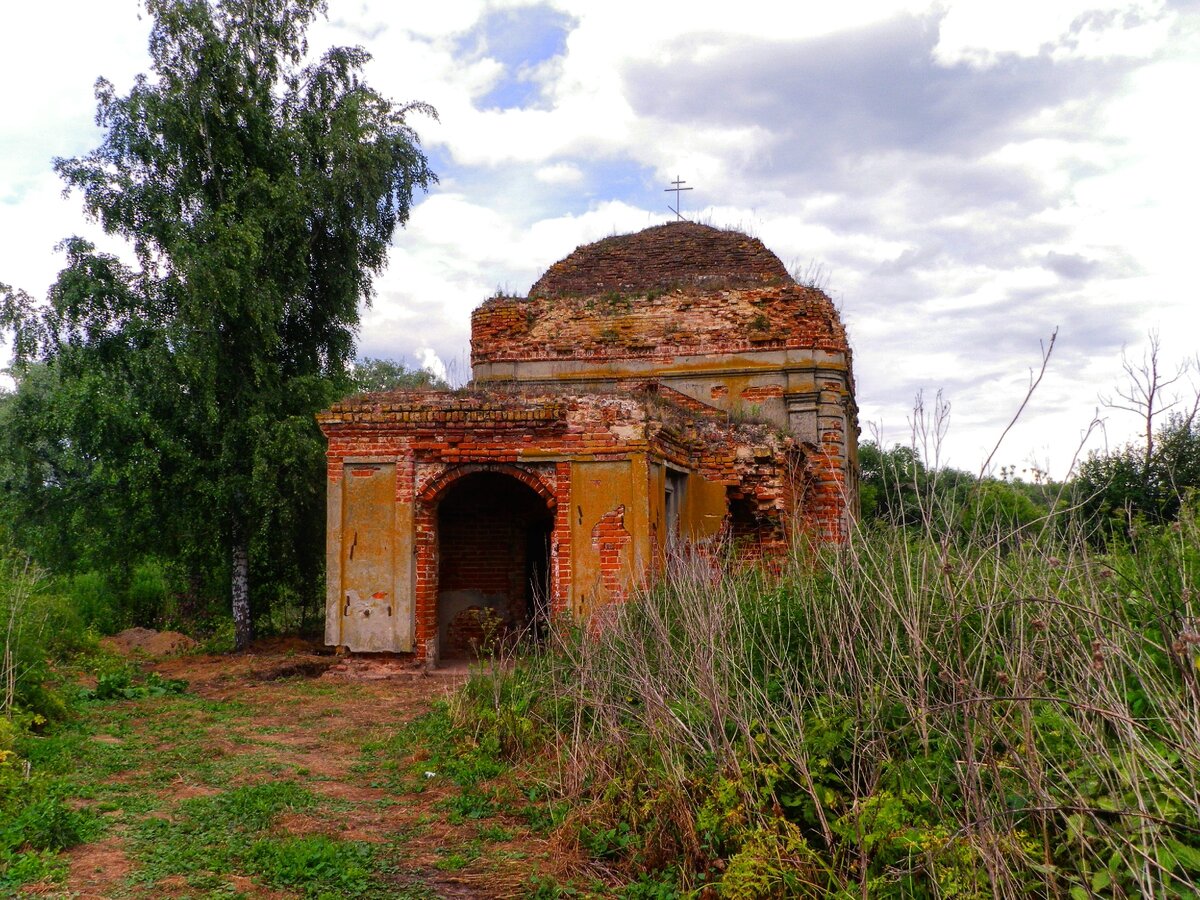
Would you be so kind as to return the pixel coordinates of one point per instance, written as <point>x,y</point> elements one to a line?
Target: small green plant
<point>35,823</point>
<point>607,842</point>
<point>212,836</point>
<point>747,414</point>
<point>546,887</point>
<point>470,803</point>
<point>653,886</point>
<point>120,685</point>
<point>616,303</point>
<point>495,833</point>
<point>316,865</point>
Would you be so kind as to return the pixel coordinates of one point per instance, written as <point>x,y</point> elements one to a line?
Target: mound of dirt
<point>149,642</point>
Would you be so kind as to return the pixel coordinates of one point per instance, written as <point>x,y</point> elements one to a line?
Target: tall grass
<point>34,819</point>
<point>22,622</point>
<point>977,714</point>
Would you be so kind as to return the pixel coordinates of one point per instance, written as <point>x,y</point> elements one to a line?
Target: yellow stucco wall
<point>606,506</point>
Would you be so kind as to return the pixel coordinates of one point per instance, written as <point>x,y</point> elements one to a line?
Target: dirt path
<point>284,722</point>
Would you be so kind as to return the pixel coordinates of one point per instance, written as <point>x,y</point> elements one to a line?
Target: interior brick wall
<point>482,524</point>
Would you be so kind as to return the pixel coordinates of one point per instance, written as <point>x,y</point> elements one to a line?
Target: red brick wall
<point>765,392</point>
<point>609,537</point>
<point>442,440</point>
<point>692,321</point>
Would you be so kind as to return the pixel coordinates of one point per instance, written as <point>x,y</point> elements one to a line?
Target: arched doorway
<point>493,573</point>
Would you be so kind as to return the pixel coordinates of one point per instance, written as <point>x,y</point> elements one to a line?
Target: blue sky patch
<point>515,187</point>
<point>520,40</point>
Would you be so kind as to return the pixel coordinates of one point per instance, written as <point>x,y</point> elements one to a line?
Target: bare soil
<point>149,642</point>
<point>290,711</point>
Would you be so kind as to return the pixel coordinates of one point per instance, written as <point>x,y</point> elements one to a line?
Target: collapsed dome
<point>663,257</point>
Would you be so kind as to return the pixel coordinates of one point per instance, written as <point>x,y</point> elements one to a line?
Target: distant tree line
<point>1111,494</point>
<point>898,488</point>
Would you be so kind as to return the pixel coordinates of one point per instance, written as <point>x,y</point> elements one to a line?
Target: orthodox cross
<point>678,182</point>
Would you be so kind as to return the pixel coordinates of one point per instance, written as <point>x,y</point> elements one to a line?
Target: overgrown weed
<point>970,712</point>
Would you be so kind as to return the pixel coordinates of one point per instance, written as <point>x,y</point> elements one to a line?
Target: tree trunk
<point>242,629</point>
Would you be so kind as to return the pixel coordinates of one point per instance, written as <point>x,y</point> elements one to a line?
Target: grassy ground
<point>265,780</point>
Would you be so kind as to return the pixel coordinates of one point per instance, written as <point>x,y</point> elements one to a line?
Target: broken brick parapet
<point>691,321</point>
<point>535,420</point>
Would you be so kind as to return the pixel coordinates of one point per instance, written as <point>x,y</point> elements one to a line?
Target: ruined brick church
<point>670,385</point>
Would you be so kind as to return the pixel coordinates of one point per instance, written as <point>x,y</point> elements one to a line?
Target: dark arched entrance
<point>493,562</point>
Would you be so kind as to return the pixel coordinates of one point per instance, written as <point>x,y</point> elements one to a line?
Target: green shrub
<point>150,596</point>
<point>128,684</point>
<point>33,623</point>
<point>96,603</point>
<point>35,823</point>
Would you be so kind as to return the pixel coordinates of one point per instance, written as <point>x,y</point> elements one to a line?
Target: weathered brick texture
<point>691,320</point>
<point>664,257</point>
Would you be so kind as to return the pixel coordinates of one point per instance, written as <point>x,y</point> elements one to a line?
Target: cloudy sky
<point>965,177</point>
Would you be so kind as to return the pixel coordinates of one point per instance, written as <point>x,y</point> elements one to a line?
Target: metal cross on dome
<point>678,188</point>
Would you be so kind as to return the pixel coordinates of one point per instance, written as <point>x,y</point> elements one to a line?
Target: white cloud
<point>559,173</point>
<point>432,363</point>
<point>983,32</point>
<point>969,173</point>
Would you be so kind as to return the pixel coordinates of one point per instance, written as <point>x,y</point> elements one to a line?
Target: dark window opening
<point>676,484</point>
<point>745,525</point>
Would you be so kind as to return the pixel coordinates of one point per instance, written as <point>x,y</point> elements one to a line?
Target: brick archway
<point>432,491</point>
<point>480,536</point>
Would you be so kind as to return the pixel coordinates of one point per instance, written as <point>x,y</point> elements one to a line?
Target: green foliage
<point>656,886</point>
<point>467,763</point>
<point>166,412</point>
<point>92,597</point>
<point>319,866</point>
<point>34,622</point>
<point>545,887</point>
<point>35,822</point>
<point>46,823</point>
<point>210,835</point>
<point>120,685</point>
<point>770,863</point>
<point>896,487</point>
<point>1118,490</point>
<point>999,509</point>
<point>149,592</point>
<point>371,374</point>
<point>605,841</point>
